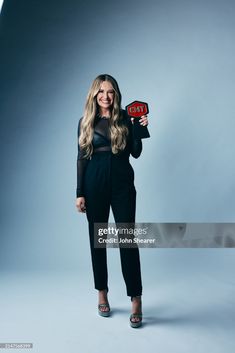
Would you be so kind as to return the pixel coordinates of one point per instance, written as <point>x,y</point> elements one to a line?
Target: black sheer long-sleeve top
<point>102,142</point>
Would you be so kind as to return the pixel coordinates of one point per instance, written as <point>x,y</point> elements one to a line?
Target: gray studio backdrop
<point>176,55</point>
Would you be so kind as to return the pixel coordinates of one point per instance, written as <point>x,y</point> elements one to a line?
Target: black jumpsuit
<point>105,180</point>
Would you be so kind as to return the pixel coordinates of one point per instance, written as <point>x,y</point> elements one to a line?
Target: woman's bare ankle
<point>136,305</point>
<point>103,299</point>
<point>136,298</point>
<point>103,296</point>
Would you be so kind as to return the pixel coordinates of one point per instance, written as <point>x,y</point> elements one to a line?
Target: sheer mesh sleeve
<point>81,167</point>
<point>135,144</point>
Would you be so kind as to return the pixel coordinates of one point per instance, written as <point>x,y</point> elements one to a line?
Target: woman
<point>105,178</point>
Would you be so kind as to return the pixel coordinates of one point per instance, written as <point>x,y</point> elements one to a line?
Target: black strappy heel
<point>138,323</point>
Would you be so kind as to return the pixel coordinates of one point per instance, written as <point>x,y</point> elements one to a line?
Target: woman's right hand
<point>80,204</point>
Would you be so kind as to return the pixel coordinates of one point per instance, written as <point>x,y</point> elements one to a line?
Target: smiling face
<point>105,96</point>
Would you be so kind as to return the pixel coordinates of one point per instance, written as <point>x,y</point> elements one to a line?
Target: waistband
<point>102,149</point>
<point>100,154</point>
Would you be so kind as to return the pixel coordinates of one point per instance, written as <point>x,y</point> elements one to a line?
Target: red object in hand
<point>136,109</point>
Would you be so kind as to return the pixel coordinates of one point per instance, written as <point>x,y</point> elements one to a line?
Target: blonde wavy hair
<point>118,130</point>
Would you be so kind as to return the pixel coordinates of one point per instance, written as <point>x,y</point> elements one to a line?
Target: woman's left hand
<point>143,120</point>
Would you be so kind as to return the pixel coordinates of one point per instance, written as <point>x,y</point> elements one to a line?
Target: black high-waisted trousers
<point>109,181</point>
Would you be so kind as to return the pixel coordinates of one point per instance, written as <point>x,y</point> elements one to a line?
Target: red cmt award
<point>135,110</point>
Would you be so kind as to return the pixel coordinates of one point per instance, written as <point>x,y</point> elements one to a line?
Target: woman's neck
<point>104,112</point>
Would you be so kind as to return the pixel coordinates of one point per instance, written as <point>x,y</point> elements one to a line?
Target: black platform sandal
<point>138,323</point>
<point>104,313</point>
